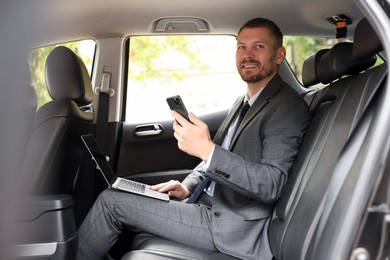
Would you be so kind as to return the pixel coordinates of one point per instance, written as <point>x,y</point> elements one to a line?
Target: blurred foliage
<point>146,57</point>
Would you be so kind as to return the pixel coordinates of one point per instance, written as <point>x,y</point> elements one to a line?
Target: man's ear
<point>281,55</point>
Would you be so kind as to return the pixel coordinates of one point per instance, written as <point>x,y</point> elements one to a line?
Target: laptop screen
<point>100,158</point>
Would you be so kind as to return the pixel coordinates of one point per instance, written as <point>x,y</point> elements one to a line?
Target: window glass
<point>199,68</point>
<point>37,57</point>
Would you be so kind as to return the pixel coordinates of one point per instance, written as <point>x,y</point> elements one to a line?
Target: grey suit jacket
<point>250,176</point>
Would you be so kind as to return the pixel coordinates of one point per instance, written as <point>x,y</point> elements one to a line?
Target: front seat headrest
<point>366,41</point>
<point>310,69</point>
<point>339,61</point>
<point>67,77</point>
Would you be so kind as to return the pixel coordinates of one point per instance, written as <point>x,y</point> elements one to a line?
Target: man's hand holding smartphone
<point>193,138</point>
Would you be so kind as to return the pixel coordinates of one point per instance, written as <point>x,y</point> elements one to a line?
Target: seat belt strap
<point>105,92</point>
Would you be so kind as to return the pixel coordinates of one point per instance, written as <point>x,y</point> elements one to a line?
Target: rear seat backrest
<point>346,200</point>
<point>337,111</point>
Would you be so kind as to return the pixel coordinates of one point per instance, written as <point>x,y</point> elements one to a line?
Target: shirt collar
<point>254,97</point>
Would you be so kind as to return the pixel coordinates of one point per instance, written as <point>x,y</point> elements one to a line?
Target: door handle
<point>148,130</point>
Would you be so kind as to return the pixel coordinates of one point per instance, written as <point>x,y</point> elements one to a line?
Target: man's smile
<point>249,65</point>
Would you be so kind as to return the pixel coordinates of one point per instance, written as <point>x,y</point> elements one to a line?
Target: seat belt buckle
<point>105,84</point>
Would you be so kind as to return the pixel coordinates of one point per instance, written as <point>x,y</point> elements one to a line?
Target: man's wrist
<point>209,158</point>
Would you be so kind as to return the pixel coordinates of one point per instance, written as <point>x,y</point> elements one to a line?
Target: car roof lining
<point>49,22</point>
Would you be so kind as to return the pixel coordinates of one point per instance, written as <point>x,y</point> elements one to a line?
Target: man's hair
<point>263,22</point>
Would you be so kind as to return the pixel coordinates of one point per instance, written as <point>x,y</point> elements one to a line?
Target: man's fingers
<point>179,118</point>
<point>167,186</point>
<point>158,186</point>
<point>195,120</point>
<point>174,193</point>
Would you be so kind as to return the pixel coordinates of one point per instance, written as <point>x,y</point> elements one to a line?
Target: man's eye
<point>259,46</point>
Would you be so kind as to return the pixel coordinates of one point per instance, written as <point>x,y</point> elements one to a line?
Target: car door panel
<point>149,152</point>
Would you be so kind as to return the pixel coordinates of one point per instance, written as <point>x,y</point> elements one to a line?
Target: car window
<point>199,68</point>
<point>85,49</point>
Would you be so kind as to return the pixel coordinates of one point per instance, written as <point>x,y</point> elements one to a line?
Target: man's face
<point>257,56</point>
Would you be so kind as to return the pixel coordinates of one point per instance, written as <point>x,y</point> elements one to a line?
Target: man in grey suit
<point>245,167</point>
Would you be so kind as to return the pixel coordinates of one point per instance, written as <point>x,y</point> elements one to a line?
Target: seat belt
<point>105,92</point>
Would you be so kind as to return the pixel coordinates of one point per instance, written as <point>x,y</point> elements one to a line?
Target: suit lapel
<point>267,93</point>
<point>219,136</point>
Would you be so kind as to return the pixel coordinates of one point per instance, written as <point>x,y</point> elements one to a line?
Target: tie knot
<point>245,108</point>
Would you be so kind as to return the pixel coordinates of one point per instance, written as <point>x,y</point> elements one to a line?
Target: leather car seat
<point>55,149</point>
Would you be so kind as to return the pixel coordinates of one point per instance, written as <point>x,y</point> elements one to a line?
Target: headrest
<point>310,69</point>
<point>366,41</point>
<point>338,62</point>
<point>67,77</point>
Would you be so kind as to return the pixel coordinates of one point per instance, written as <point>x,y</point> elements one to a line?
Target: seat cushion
<point>146,246</point>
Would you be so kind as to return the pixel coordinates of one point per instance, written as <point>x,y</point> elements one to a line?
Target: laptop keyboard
<point>131,185</point>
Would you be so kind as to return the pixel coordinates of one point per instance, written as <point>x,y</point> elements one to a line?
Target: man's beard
<point>254,78</point>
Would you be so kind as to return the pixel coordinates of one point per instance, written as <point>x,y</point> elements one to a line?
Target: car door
<point>149,152</point>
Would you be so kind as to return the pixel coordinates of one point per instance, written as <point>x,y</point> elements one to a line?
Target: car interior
<point>335,204</point>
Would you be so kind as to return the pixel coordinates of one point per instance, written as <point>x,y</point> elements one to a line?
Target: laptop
<point>110,177</point>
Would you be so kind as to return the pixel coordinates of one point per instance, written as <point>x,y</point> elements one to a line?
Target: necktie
<point>198,191</point>
<point>207,181</point>
<point>243,111</point>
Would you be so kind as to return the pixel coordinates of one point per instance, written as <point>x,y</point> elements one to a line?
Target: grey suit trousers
<point>115,210</point>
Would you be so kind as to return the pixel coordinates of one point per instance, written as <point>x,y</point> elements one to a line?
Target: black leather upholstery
<point>310,76</point>
<point>336,112</point>
<point>310,69</point>
<point>158,248</point>
<point>339,62</point>
<point>54,151</point>
<point>67,77</point>
<point>366,40</point>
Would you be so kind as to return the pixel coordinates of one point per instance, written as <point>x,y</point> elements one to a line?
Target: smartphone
<point>177,104</point>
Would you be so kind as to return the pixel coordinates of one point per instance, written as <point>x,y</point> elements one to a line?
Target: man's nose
<point>248,55</point>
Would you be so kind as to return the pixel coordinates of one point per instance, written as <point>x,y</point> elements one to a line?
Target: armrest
<point>45,227</point>
<point>31,208</point>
